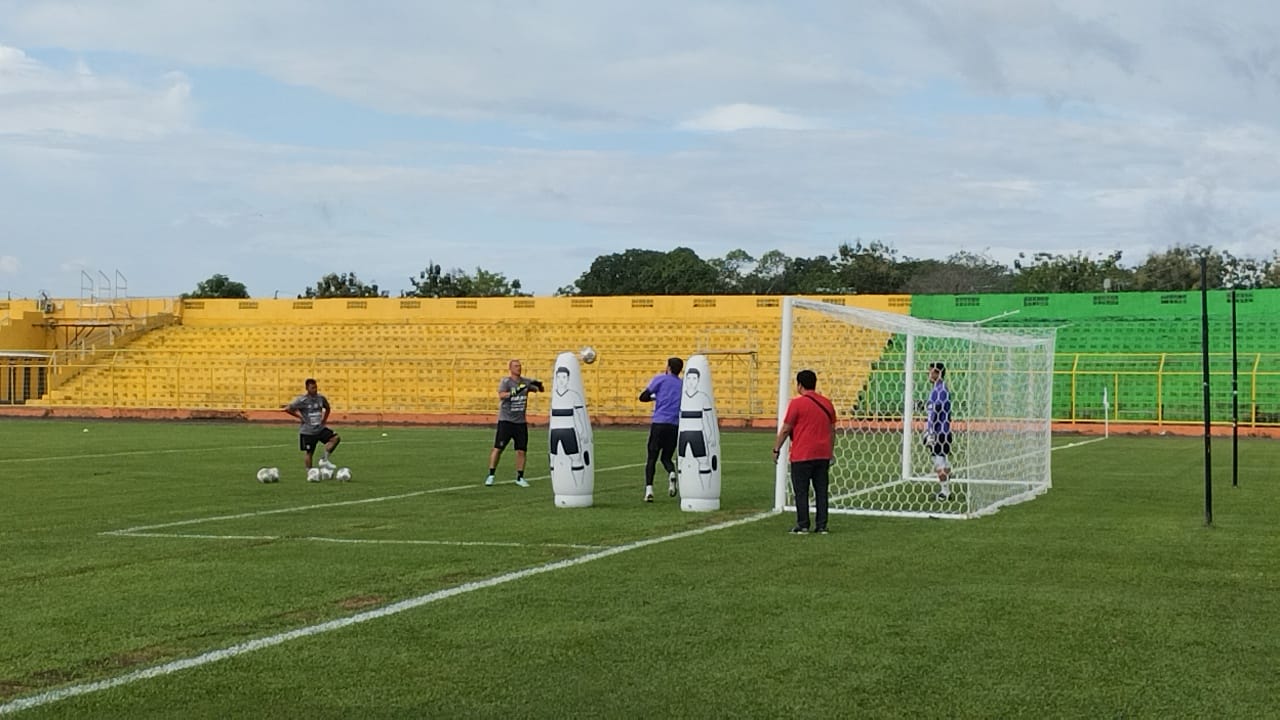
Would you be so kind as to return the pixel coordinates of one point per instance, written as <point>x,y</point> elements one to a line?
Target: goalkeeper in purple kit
<point>937,432</point>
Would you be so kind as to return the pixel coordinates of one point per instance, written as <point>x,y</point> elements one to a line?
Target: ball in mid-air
<point>588,355</point>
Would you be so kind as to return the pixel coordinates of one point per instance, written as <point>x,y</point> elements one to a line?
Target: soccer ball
<point>326,472</point>
<point>588,355</point>
<point>264,475</point>
<point>275,474</point>
<point>342,474</point>
<point>313,475</point>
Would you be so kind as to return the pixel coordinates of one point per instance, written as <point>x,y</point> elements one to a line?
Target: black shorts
<point>941,445</point>
<point>508,431</point>
<point>565,439</point>
<point>307,443</point>
<point>693,439</point>
<point>662,437</point>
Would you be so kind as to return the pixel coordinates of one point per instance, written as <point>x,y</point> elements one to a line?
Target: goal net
<point>874,366</point>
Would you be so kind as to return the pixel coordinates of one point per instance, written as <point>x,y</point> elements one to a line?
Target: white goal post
<point>874,366</point>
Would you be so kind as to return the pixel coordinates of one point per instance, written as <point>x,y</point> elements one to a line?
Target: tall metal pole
<point>1204,366</point>
<point>1235,399</point>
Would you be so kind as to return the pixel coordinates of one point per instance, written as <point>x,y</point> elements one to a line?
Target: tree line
<point>873,268</point>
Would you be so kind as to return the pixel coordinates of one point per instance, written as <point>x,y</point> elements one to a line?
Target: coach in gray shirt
<point>513,395</point>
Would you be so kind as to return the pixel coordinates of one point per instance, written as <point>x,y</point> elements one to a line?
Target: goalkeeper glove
<point>537,385</point>
<point>929,439</point>
<point>518,389</point>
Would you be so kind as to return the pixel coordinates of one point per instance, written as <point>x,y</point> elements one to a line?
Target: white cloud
<point>745,116</point>
<point>936,125</point>
<point>36,99</point>
<point>614,62</point>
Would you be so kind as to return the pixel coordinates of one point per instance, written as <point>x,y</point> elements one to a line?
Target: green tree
<point>1271,277</point>
<point>1178,268</point>
<point>769,276</point>
<point>1246,273</point>
<point>347,285</point>
<point>647,272</point>
<point>217,286</point>
<point>961,273</point>
<point>812,276</point>
<point>617,274</point>
<point>730,270</point>
<point>1049,273</point>
<point>432,281</point>
<point>868,269</point>
<point>487,284</point>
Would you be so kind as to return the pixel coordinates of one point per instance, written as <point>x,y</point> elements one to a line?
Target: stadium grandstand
<point>413,360</point>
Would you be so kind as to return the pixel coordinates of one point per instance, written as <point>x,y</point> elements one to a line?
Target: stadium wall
<point>723,308</point>
<point>22,326</point>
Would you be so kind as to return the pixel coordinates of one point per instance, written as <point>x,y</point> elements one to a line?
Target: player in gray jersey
<point>513,399</point>
<point>312,409</point>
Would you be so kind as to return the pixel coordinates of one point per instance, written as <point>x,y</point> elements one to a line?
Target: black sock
<point>491,470</point>
<point>519,473</point>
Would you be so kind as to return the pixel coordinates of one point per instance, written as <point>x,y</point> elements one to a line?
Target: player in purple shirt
<point>937,432</point>
<point>664,392</point>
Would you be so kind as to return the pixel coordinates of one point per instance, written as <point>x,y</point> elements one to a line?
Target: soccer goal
<point>875,367</point>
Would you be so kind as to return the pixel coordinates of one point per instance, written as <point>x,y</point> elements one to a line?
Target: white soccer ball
<point>275,473</point>
<point>588,354</point>
<point>326,472</point>
<point>342,474</point>
<point>313,475</point>
<point>264,475</point>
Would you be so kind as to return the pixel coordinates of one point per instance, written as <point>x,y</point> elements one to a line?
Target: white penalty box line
<point>149,530</point>
<point>52,696</point>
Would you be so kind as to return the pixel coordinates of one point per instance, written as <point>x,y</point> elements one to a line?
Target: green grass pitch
<point>1106,597</point>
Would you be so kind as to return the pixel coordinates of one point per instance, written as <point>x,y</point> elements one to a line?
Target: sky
<point>146,145</point>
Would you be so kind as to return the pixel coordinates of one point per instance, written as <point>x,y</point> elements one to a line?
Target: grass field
<point>1106,597</point>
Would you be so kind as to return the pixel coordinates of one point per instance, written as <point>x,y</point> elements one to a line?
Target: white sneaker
<point>325,463</point>
<point>648,495</point>
<point>489,481</point>
<point>672,487</point>
<point>522,482</point>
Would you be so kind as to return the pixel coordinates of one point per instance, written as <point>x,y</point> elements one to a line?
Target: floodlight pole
<point>1204,372</point>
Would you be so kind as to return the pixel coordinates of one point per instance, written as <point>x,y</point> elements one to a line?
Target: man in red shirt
<point>809,423</point>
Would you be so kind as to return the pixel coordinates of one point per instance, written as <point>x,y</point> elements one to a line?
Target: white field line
<point>340,503</point>
<point>363,541</point>
<point>1068,446</point>
<point>213,656</point>
<point>169,451</point>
